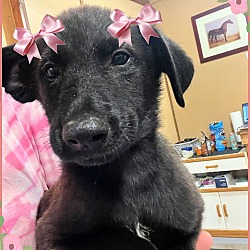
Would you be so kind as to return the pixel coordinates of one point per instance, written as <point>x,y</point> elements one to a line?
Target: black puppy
<point>122,186</point>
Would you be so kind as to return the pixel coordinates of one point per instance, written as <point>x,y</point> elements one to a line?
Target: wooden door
<point>213,217</point>
<point>235,209</point>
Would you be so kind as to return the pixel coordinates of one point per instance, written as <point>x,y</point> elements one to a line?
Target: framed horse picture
<point>219,33</point>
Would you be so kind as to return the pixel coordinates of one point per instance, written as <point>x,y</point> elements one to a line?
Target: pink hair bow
<point>121,27</point>
<point>27,42</point>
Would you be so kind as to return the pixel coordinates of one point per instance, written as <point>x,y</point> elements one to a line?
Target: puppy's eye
<point>120,58</point>
<point>52,72</point>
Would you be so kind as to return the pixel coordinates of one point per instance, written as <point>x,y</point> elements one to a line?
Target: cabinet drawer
<point>217,165</point>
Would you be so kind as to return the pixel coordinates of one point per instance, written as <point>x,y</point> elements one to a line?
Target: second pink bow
<point>121,27</point>
<point>27,42</point>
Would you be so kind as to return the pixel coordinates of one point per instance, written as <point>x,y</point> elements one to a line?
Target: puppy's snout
<point>85,135</point>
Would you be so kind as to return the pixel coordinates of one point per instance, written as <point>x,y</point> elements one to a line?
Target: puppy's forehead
<point>86,28</point>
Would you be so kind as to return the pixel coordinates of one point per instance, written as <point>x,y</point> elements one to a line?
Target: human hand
<point>204,241</point>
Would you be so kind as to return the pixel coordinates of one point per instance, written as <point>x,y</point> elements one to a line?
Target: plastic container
<point>233,141</point>
<point>217,130</point>
<point>198,150</point>
<point>204,150</point>
<point>194,142</point>
<point>187,152</point>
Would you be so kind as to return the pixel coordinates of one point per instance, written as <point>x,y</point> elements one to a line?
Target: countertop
<point>216,155</point>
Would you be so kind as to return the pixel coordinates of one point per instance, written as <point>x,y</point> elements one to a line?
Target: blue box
<point>223,181</point>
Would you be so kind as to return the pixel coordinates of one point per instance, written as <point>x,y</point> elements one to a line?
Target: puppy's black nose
<point>88,134</point>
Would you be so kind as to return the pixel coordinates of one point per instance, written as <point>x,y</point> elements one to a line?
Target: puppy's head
<point>100,98</point>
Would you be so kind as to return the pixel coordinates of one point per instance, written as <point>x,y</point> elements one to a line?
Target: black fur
<point>118,174</point>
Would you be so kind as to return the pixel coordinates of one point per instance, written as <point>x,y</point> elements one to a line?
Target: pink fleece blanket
<point>29,166</point>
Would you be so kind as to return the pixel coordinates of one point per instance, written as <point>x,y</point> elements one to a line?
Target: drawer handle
<point>225,210</point>
<point>218,210</point>
<point>212,166</point>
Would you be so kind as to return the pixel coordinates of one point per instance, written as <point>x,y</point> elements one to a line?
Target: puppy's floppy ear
<point>17,76</point>
<point>173,61</point>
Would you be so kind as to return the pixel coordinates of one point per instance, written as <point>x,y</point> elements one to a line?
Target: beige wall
<point>127,6</point>
<point>218,88</point>
<point>36,10</point>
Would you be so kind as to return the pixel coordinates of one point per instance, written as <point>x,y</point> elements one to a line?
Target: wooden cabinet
<point>212,216</point>
<point>235,209</point>
<point>226,209</point>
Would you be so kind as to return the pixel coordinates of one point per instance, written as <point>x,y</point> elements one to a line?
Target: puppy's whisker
<point>42,136</point>
<point>46,146</point>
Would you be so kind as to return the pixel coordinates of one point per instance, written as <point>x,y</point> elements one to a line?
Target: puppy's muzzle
<point>88,134</point>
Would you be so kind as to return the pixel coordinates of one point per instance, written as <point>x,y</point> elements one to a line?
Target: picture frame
<point>219,33</point>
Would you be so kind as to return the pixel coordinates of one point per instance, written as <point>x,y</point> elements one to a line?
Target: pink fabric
<point>28,164</point>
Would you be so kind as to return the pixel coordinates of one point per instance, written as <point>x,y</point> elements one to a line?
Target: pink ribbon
<point>121,27</point>
<point>27,41</point>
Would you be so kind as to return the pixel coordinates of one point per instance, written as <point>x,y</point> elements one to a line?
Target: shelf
<point>228,233</point>
<point>242,153</point>
<point>229,189</point>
